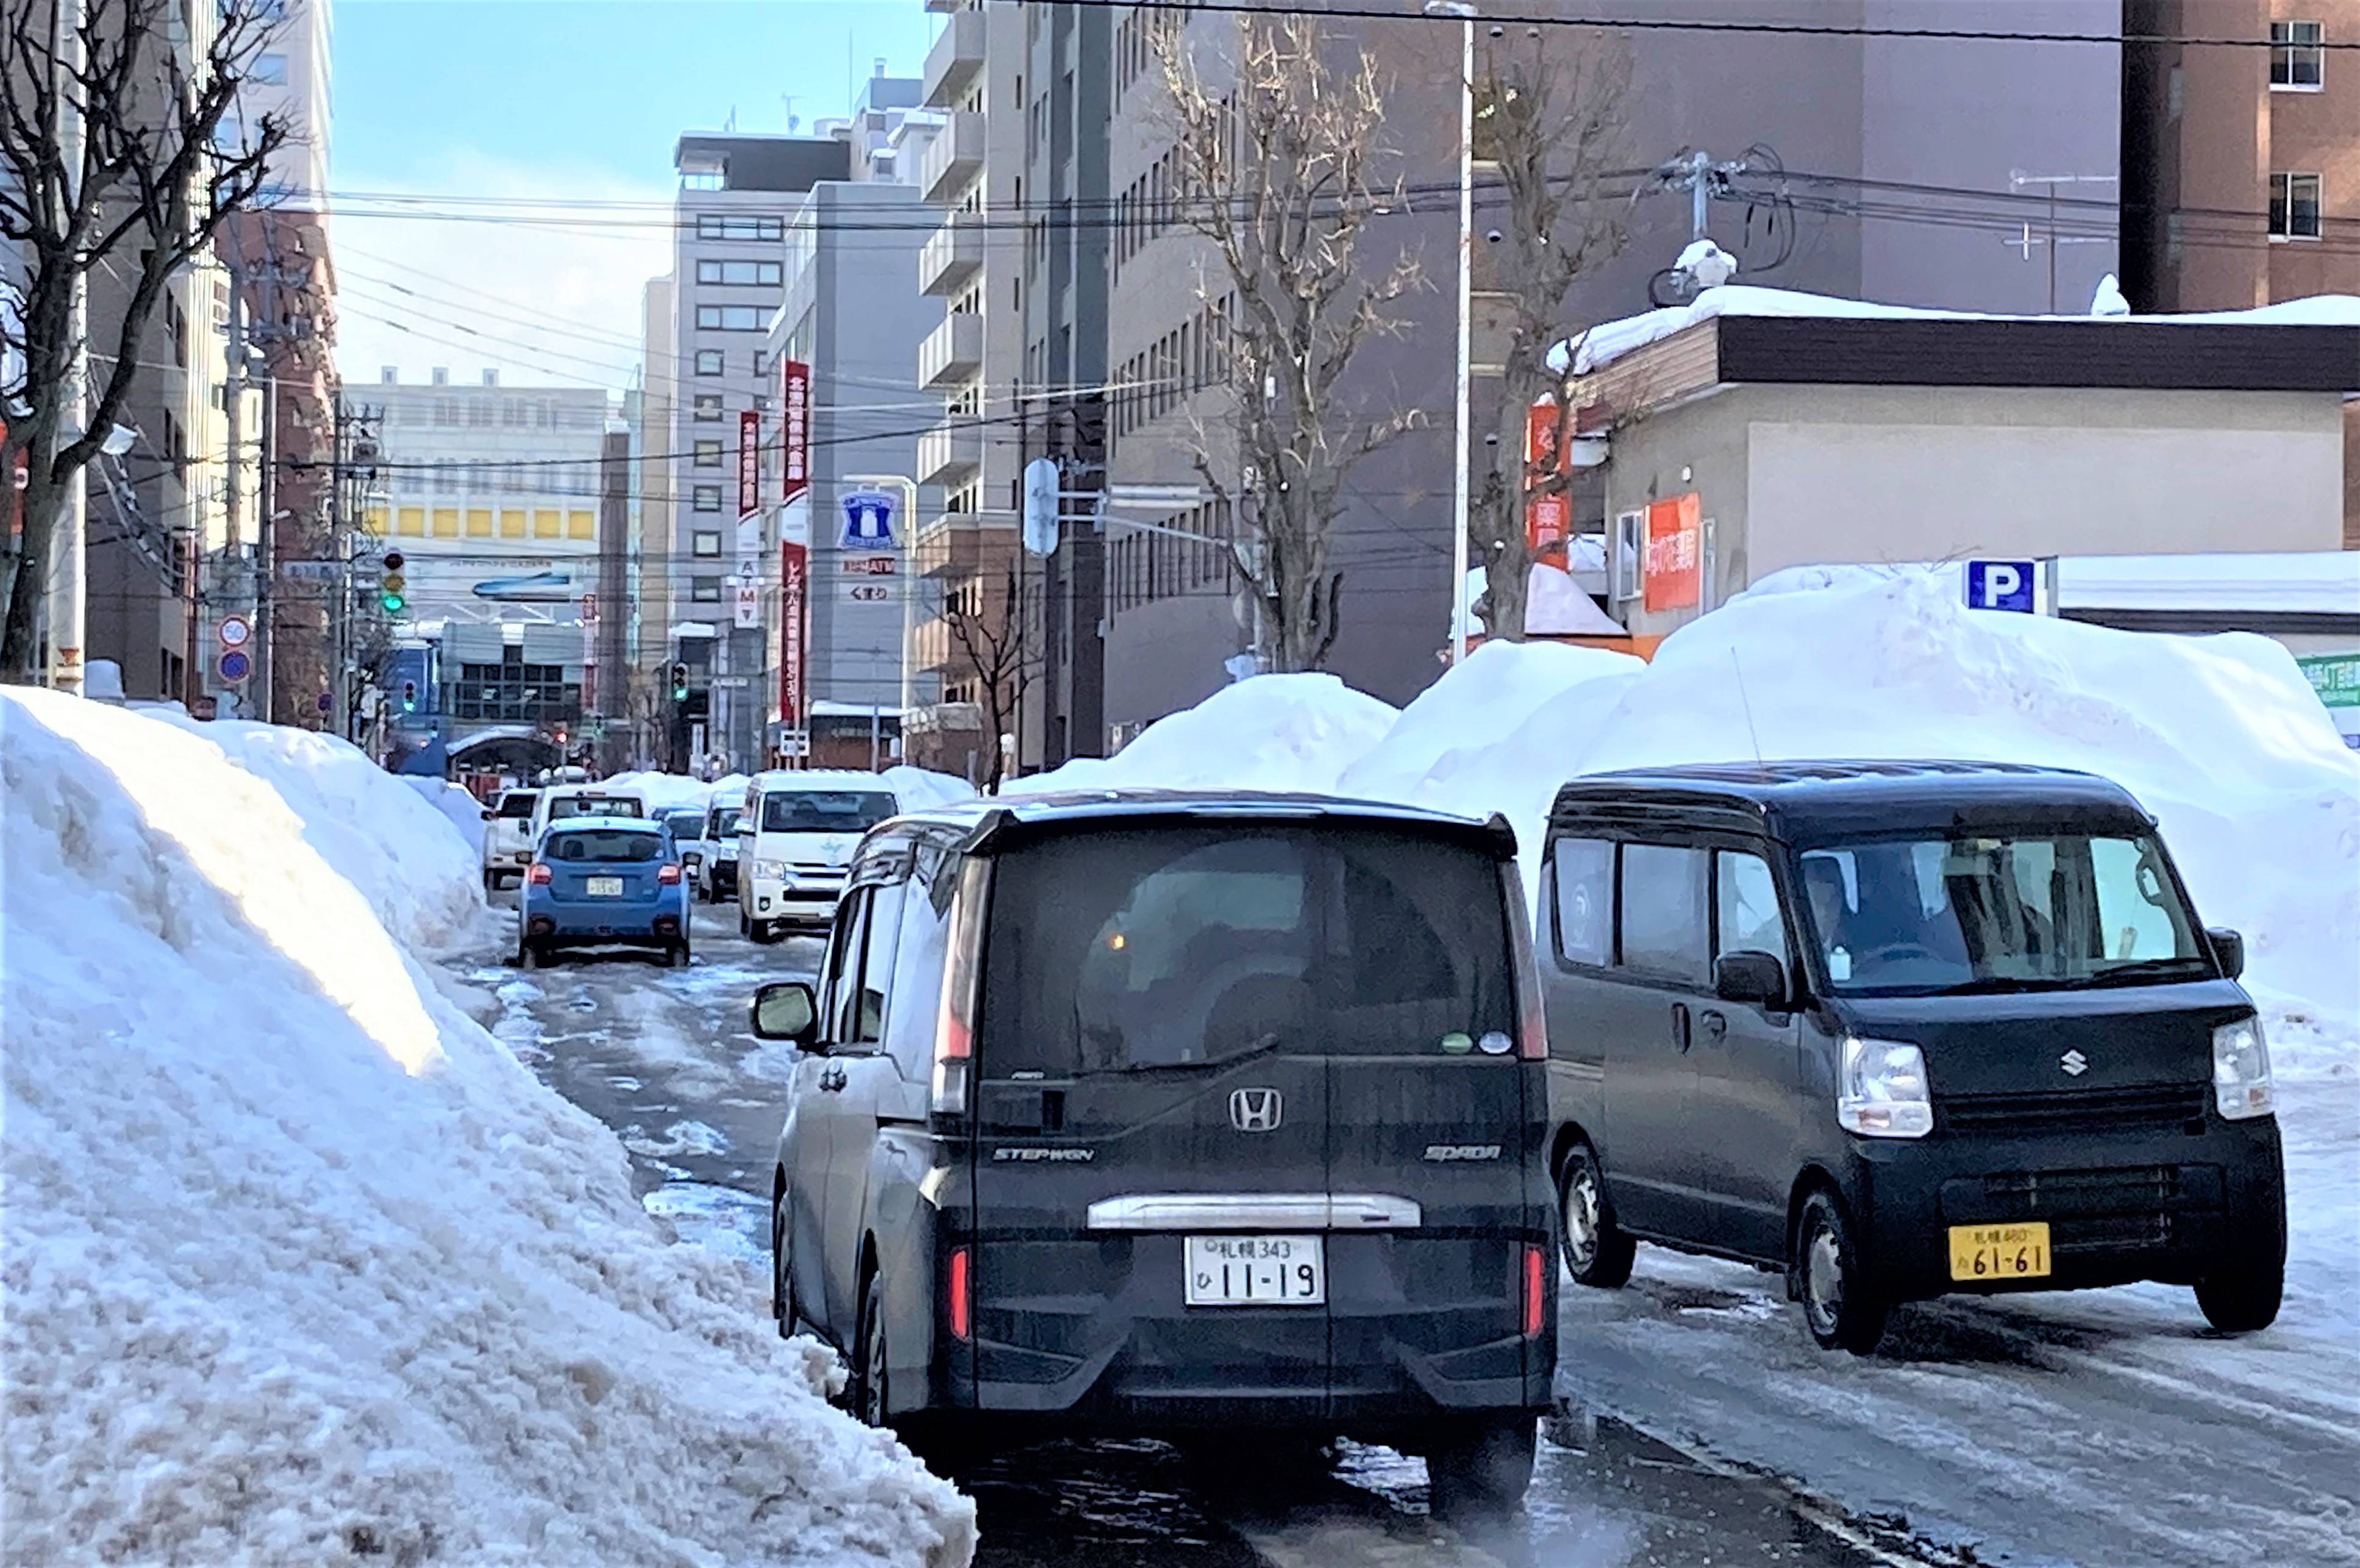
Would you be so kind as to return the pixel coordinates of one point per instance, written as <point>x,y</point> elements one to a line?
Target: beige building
<point>1742,445</point>
<point>2243,165</point>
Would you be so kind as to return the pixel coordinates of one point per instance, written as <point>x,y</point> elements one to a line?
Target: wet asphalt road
<point>665,1059</point>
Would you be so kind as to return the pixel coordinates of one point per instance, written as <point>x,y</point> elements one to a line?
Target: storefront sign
<point>794,425</point>
<point>749,462</point>
<point>794,561</point>
<point>1674,576</point>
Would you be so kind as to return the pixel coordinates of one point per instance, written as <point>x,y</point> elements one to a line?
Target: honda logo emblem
<point>2074,1063</point>
<point>1256,1110</point>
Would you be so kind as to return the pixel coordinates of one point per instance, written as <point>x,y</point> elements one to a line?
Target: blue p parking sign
<point>2002,585</point>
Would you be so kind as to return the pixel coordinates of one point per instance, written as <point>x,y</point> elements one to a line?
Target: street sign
<point>868,520</point>
<point>872,566</point>
<point>310,571</point>
<point>233,631</point>
<point>234,666</point>
<point>2002,585</point>
<point>728,683</point>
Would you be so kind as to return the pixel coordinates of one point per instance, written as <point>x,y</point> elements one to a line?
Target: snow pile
<point>921,789</point>
<point>456,802</point>
<point>662,791</point>
<point>2220,736</point>
<point>1274,732</point>
<point>373,828</point>
<point>304,1268</point>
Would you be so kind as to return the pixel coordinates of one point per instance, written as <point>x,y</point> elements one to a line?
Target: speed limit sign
<point>233,631</point>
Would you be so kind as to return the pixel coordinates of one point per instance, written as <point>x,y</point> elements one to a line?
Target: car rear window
<point>625,845</point>
<point>1176,947</point>
<point>825,810</point>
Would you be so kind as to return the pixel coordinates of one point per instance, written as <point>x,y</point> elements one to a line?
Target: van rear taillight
<point>958,1292</point>
<point>955,1017</point>
<point>1536,1272</point>
<point>538,875</point>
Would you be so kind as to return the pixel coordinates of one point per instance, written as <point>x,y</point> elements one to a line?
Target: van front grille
<point>2073,1110</point>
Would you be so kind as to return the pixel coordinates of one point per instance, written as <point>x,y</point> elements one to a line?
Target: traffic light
<point>410,696</point>
<point>679,682</point>
<point>391,587</point>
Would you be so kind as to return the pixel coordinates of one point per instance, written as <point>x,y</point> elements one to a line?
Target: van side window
<point>877,965</point>
<point>1662,925</point>
<point>1747,898</point>
<point>920,955</point>
<point>1584,872</point>
<point>835,1016</point>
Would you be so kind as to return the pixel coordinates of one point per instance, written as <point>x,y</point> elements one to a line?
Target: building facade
<point>2243,164</point>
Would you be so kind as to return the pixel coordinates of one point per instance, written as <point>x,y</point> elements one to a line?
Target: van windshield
<point>1180,947</point>
<point>825,810</point>
<point>724,819</point>
<point>2030,911</point>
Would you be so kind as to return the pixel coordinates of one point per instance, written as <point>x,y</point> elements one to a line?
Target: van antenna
<point>1745,702</point>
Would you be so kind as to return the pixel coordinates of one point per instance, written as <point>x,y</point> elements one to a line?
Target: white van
<point>794,840</point>
<point>509,836</point>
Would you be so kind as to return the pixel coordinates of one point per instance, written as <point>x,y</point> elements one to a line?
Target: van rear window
<point>1178,947</point>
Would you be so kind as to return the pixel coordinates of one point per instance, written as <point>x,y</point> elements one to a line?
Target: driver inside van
<point>1831,915</point>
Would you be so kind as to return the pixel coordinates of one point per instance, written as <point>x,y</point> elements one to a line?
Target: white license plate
<point>1256,1272</point>
<point>603,886</point>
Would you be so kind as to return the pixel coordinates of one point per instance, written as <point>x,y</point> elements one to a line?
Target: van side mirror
<point>490,813</point>
<point>1750,979</point>
<point>786,1010</point>
<point>2228,949</point>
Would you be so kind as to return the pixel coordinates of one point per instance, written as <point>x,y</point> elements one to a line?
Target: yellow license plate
<point>1999,1251</point>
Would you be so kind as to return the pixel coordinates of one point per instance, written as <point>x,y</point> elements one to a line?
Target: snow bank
<point>1274,732</point>
<point>921,789</point>
<point>303,1267</point>
<point>2220,736</point>
<point>662,791</point>
<point>372,828</point>
<point>458,805</point>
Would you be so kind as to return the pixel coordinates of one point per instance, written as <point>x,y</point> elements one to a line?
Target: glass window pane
<point>1585,899</point>
<point>1663,923</point>
<point>1748,907</point>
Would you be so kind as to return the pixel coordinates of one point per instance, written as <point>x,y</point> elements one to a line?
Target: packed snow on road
<point>2098,1426</point>
<point>302,1266</point>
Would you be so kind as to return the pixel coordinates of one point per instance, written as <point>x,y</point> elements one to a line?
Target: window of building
<point>765,274</point>
<point>760,361</point>
<point>704,542</point>
<point>704,179</point>
<point>708,362</point>
<point>707,498</point>
<point>2294,206</point>
<point>708,405</point>
<point>2298,56</point>
<point>708,455</point>
<point>269,69</point>
<point>514,692</point>
<point>730,318</point>
<point>704,590</point>
<point>723,226</point>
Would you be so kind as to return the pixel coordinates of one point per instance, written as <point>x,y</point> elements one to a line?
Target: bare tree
<point>1549,123</point>
<point>156,179</point>
<point>1281,173</point>
<point>989,632</point>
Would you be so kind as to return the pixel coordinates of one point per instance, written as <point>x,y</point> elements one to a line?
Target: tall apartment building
<point>652,411</point>
<point>492,497</point>
<point>286,279</point>
<point>2243,165</point>
<point>974,263</point>
<point>1909,169</point>
<point>737,192</point>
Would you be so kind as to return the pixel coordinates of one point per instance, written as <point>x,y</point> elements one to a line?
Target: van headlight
<point>776,870</point>
<point>1881,1090</point>
<point>2240,1069</point>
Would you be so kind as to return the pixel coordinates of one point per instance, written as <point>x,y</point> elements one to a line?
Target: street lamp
<point>1466,14</point>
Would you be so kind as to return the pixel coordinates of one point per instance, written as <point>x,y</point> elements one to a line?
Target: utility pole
<point>234,477</point>
<point>2018,180</point>
<point>266,553</point>
<point>67,592</point>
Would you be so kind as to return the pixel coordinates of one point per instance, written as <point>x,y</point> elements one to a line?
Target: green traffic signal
<point>392,602</point>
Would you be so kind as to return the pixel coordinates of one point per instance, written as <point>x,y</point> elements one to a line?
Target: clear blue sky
<point>555,99</point>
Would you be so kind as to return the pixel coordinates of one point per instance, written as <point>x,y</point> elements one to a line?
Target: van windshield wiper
<point>1263,1046</point>
<point>2132,972</point>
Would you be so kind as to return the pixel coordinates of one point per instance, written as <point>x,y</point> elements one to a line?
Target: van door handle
<point>1715,1025</point>
<point>1681,1036</point>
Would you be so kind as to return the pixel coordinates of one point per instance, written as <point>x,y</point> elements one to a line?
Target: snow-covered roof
<point>1609,341</point>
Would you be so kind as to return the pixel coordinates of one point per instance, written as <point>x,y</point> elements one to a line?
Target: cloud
<point>533,271</point>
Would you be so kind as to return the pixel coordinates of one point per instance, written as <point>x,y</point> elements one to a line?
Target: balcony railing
<point>950,255</point>
<point>953,352</point>
<point>956,56</point>
<point>950,451</point>
<point>952,159</point>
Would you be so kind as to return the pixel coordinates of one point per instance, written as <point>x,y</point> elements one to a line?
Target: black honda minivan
<point>1901,1030</point>
<point>1179,1114</point>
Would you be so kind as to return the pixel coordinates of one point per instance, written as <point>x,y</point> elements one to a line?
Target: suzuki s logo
<point>2074,1063</point>
<point>1256,1110</point>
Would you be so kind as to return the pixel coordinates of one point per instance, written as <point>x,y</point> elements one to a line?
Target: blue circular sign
<point>235,666</point>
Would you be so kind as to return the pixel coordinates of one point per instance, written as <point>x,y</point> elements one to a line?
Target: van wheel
<point>744,926</point>
<point>1598,1253</point>
<point>1483,1469</point>
<point>1840,1306</point>
<point>2245,1302</point>
<point>865,1397</point>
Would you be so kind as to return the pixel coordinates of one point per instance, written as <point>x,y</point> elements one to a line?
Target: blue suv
<point>603,882</point>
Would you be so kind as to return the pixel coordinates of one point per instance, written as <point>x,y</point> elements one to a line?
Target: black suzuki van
<point>1218,1114</point>
<point>1901,1030</point>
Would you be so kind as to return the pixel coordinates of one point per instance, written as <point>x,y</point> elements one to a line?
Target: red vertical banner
<point>795,593</point>
<point>1548,519</point>
<point>794,424</point>
<point>750,464</point>
<point>1674,557</point>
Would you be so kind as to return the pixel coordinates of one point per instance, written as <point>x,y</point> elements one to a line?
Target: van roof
<point>1836,796</point>
<point>979,821</point>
